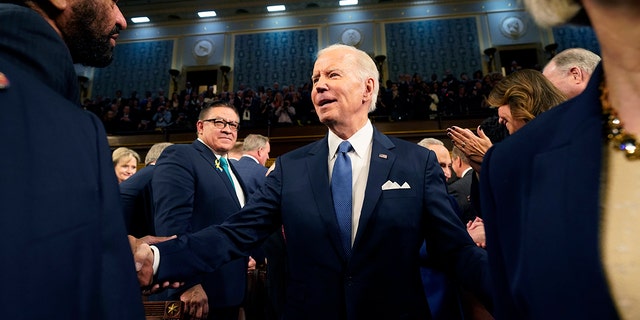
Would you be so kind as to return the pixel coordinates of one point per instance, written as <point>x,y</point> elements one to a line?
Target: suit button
<point>349,281</point>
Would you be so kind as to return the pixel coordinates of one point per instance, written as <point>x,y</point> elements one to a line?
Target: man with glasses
<point>194,187</point>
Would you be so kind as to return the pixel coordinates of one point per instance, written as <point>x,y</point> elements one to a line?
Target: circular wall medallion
<point>513,27</point>
<point>202,48</point>
<point>351,37</point>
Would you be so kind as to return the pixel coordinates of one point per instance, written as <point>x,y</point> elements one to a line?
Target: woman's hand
<point>474,147</point>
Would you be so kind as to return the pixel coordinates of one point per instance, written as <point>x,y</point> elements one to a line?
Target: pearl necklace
<point>613,129</point>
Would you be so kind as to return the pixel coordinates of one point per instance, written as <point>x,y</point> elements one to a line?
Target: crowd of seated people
<point>412,98</point>
<point>408,98</point>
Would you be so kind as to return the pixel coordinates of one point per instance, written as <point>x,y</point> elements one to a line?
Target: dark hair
<point>493,129</point>
<point>216,104</point>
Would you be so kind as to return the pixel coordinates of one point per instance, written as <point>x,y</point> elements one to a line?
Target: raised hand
<point>474,147</point>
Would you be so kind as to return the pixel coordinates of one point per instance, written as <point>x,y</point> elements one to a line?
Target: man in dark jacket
<point>66,254</point>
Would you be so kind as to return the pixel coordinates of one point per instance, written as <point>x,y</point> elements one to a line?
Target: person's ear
<point>576,74</point>
<point>61,5</point>
<point>369,84</point>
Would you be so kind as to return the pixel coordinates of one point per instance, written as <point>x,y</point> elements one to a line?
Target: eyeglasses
<point>220,124</point>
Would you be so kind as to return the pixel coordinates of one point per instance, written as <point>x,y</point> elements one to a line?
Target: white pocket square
<point>390,185</point>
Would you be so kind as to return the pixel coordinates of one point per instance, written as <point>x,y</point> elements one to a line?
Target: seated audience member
<point>520,97</point>
<point>125,163</point>
<point>284,113</point>
<point>127,120</point>
<point>571,69</point>
<point>137,196</point>
<point>162,118</point>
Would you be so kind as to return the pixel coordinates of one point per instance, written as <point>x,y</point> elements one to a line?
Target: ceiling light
<point>276,8</point>
<point>348,2</point>
<point>140,19</point>
<point>207,14</point>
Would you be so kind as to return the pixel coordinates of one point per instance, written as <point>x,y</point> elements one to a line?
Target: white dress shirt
<point>361,142</point>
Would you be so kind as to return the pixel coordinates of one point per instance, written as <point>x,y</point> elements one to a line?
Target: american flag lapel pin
<point>382,155</point>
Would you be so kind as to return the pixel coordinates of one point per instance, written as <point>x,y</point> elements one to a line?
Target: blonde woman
<point>125,163</point>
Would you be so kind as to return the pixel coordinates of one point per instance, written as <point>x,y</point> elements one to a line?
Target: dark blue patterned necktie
<point>341,191</point>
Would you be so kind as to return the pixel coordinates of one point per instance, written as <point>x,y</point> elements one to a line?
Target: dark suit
<point>65,253</point>
<point>541,202</point>
<point>460,190</point>
<point>137,201</point>
<point>251,172</point>
<point>191,194</point>
<point>381,280</point>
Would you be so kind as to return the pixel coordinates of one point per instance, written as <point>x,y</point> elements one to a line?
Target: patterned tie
<point>225,166</point>
<point>341,191</point>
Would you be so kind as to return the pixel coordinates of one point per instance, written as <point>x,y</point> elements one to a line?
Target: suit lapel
<point>210,158</point>
<point>318,168</point>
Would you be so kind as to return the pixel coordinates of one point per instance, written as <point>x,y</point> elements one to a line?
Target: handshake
<point>143,257</point>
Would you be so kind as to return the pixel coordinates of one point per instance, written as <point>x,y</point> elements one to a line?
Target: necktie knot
<point>224,163</point>
<point>344,147</point>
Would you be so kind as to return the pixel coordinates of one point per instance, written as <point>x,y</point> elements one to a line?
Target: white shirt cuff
<point>156,259</point>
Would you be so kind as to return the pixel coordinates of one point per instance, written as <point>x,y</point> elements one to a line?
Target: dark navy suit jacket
<point>381,280</point>
<point>251,172</point>
<point>460,190</point>
<point>190,193</point>
<point>541,202</point>
<point>65,254</point>
<point>137,201</point>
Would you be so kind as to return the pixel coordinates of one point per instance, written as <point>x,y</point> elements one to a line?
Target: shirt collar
<point>360,141</point>
<point>251,157</point>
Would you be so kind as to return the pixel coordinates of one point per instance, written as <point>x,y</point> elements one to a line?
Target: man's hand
<point>476,231</point>
<point>252,264</point>
<point>143,258</point>
<point>151,239</point>
<point>196,303</point>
